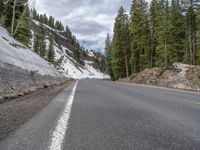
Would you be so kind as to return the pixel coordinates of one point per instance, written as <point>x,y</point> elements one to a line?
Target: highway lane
<point>104,115</point>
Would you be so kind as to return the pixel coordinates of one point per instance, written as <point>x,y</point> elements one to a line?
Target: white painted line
<point>58,134</point>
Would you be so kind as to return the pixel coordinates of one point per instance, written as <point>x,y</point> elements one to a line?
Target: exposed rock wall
<point>15,81</point>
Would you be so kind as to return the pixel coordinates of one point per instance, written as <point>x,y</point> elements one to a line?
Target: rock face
<point>181,76</point>
<point>15,81</point>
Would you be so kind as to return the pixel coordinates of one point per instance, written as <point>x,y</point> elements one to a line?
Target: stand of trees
<point>154,35</point>
<point>14,16</point>
<point>50,21</point>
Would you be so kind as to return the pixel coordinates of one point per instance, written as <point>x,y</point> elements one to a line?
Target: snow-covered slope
<point>69,66</point>
<point>72,69</point>
<point>14,53</point>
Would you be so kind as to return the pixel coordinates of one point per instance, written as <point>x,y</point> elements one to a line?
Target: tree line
<point>14,16</point>
<point>50,21</point>
<point>153,35</point>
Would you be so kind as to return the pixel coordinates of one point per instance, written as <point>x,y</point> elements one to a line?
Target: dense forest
<point>153,35</point>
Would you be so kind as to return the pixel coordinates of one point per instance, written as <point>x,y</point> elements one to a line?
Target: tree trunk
<point>166,53</point>
<point>126,65</point>
<point>194,48</point>
<point>190,40</point>
<point>18,24</point>
<point>13,17</point>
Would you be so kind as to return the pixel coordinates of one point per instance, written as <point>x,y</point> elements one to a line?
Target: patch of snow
<point>183,68</point>
<point>32,39</point>
<point>91,54</point>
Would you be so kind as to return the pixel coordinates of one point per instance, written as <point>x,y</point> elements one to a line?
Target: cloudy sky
<point>89,20</point>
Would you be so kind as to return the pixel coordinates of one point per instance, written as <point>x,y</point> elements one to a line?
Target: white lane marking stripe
<point>58,134</point>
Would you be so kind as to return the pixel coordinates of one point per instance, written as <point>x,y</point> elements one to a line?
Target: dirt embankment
<point>15,81</point>
<point>180,76</point>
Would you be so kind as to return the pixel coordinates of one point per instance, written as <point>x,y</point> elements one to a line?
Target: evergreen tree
<point>125,42</point>
<point>119,47</point>
<point>68,32</point>
<point>153,24</point>
<point>191,8</point>
<point>41,19</point>
<point>163,33</point>
<point>13,10</point>
<point>39,45</point>
<point>45,19</point>
<point>51,21</point>
<point>22,31</point>
<point>42,40</point>
<point>198,36</point>
<point>36,44</point>
<point>108,55</point>
<point>178,35</point>
<point>8,15</point>
<point>34,15</point>
<point>57,25</point>
<point>51,52</point>
<point>1,12</point>
<point>139,33</point>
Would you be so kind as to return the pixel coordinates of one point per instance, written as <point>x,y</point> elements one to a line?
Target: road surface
<point>103,115</point>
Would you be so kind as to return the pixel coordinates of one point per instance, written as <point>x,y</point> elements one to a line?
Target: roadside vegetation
<point>153,35</point>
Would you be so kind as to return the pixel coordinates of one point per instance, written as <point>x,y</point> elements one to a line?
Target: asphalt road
<point>103,115</point>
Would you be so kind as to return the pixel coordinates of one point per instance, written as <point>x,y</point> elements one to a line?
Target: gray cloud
<point>89,20</point>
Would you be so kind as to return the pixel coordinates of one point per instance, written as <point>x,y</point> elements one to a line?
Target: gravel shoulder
<point>16,112</point>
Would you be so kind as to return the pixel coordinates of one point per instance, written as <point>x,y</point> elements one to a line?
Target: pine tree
<point>51,22</point>
<point>108,55</point>
<point>57,24</point>
<point>119,47</point>
<point>13,11</point>
<point>153,24</point>
<point>125,42</point>
<point>178,29</point>
<point>191,8</point>
<point>139,32</point>
<point>39,45</point>
<point>36,45</point>
<point>42,40</point>
<point>162,33</point>
<point>22,31</point>
<point>198,36</point>
<point>8,15</point>
<point>45,19</point>
<point>51,52</point>
<point>34,14</point>
<point>1,12</point>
